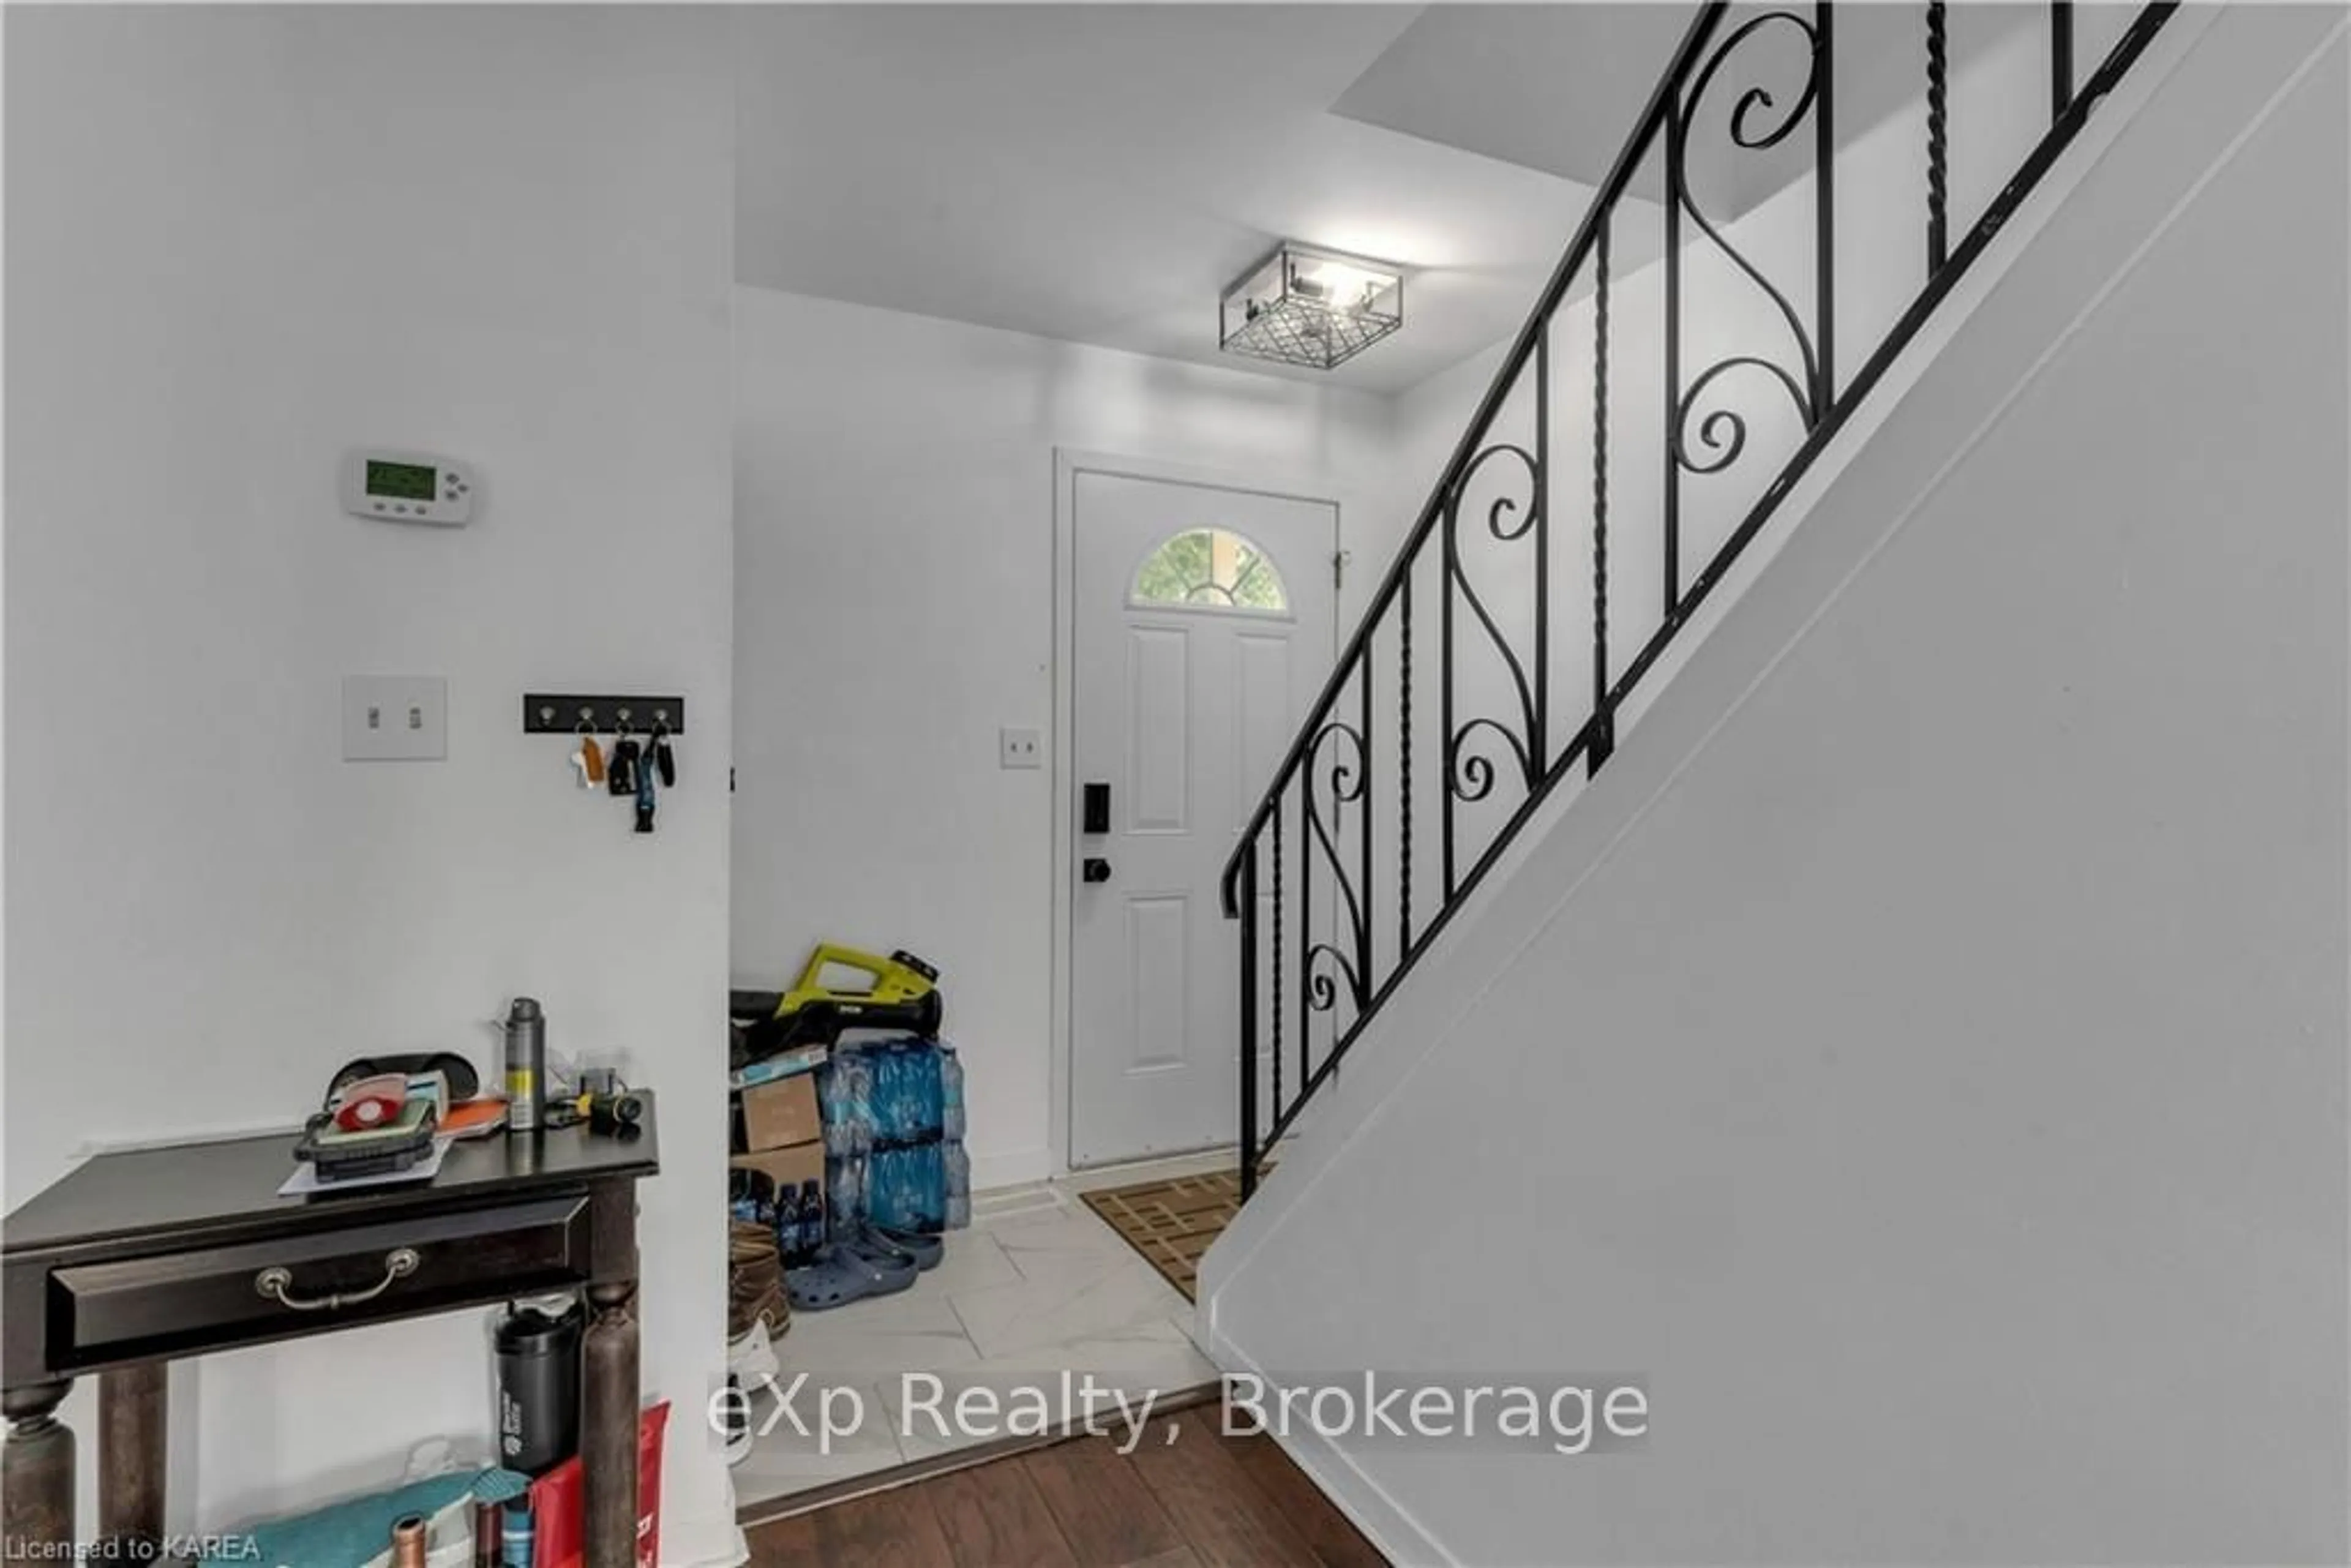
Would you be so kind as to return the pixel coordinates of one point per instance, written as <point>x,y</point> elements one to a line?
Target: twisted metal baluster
<point>1276,962</point>
<point>1404,779</point>
<point>1446,574</point>
<point>1938,65</point>
<point>1539,718</point>
<point>1603,724</point>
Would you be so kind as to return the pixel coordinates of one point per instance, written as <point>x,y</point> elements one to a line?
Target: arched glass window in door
<point>1210,569</point>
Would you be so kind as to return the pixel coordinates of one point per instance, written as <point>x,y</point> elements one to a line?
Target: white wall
<point>894,607</point>
<point>241,240</point>
<point>1920,1054</point>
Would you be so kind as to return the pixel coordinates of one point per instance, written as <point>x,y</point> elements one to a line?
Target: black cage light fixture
<point>1301,305</point>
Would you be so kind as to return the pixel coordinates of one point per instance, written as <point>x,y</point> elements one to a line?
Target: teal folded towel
<point>353,1534</point>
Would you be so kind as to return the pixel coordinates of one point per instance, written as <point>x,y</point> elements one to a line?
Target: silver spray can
<point>526,1066</point>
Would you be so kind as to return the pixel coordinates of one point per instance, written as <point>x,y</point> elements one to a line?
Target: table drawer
<point>206,1297</point>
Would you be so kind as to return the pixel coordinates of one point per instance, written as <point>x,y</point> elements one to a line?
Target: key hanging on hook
<point>588,756</point>
<point>645,772</point>
<point>621,769</point>
<point>664,756</point>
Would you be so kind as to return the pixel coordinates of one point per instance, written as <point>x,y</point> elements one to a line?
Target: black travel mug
<point>539,1387</point>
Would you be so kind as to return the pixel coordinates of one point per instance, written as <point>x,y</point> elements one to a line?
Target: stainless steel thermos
<point>526,1066</point>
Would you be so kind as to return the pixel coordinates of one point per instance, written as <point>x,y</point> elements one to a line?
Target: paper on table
<point>305,1180</point>
<point>475,1117</point>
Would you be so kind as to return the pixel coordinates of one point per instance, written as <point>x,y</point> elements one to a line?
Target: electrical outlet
<point>395,718</point>
<point>1021,748</point>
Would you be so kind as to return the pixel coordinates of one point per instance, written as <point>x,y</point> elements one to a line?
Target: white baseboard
<point>734,1556</point>
<point>706,1540</point>
<point>1384,1522</point>
<point>1009,1167</point>
<point>1162,1168</point>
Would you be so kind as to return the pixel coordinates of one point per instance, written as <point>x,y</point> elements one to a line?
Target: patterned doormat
<point>1170,1223</point>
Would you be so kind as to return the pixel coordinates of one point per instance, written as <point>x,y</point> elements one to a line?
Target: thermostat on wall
<point>407,487</point>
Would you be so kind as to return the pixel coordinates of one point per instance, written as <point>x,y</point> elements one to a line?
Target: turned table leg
<point>37,1474</point>
<point>608,1445</point>
<point>608,1439</point>
<point>130,1409</point>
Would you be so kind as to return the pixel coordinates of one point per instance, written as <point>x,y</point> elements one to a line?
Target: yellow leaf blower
<point>899,992</point>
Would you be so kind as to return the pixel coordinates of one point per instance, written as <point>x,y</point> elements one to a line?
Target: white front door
<point>1204,623</point>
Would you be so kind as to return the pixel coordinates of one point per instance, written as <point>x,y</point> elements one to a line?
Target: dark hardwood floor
<point>1186,1497</point>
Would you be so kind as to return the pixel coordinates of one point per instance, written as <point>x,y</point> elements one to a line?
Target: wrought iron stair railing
<point>1322,877</point>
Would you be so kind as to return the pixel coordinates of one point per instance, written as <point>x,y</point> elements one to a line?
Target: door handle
<point>1096,869</point>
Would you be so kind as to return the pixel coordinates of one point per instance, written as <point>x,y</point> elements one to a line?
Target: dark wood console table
<point>138,1258</point>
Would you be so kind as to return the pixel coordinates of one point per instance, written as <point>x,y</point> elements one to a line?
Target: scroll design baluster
<point>1469,774</point>
<point>1721,432</point>
<point>1344,957</point>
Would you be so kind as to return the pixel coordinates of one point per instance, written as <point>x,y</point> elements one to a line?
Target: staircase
<point>1914,1053</point>
<point>1684,368</point>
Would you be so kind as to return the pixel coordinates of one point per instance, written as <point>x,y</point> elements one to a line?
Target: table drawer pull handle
<point>277,1284</point>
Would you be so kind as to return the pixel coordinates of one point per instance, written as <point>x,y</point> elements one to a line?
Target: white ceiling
<point>1555,87</point>
<point>1099,173</point>
<point>1560,87</point>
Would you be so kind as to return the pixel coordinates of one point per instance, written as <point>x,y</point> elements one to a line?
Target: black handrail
<point>1336,946</point>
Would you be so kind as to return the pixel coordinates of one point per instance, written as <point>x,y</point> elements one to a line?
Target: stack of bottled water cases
<point>894,1131</point>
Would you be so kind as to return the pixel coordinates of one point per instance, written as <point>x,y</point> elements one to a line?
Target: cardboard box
<point>786,1167</point>
<point>779,1114</point>
<point>783,1064</point>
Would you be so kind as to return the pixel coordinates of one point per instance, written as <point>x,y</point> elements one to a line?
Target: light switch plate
<point>395,718</point>
<point>1021,748</point>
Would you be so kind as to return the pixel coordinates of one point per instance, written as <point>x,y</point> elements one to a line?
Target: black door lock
<point>1097,808</point>
<point>1096,869</point>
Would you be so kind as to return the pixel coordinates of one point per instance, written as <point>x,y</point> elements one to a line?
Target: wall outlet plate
<point>1019,748</point>
<point>395,718</point>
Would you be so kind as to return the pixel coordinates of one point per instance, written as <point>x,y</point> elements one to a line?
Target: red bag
<point>558,1503</point>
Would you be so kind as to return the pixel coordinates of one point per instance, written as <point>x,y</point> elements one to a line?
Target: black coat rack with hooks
<point>545,712</point>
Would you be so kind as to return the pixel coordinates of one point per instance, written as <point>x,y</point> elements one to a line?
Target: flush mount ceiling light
<point>1312,308</point>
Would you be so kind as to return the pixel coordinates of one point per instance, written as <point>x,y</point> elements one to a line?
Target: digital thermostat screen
<point>401,481</point>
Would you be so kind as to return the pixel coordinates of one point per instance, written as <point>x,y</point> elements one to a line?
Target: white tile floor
<point>1037,1287</point>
